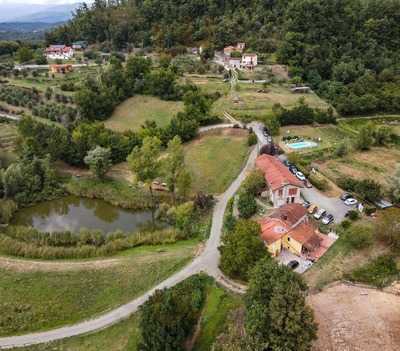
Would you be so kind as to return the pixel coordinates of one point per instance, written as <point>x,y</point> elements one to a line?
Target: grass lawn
<point>215,159</point>
<point>132,113</point>
<point>8,143</point>
<point>125,335</point>
<point>41,300</point>
<point>252,104</point>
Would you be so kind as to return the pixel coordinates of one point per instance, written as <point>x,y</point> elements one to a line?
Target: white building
<point>59,52</point>
<point>249,61</point>
<point>283,187</point>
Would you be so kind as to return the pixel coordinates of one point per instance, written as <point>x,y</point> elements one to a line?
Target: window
<point>280,193</point>
<point>292,192</point>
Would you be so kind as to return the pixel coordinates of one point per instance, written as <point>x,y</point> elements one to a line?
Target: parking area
<point>286,256</point>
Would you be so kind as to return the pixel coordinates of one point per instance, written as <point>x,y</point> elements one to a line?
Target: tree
<point>254,183</point>
<point>365,137</point>
<point>174,164</point>
<point>99,161</point>
<point>273,124</point>
<point>388,228</point>
<point>184,184</point>
<point>169,316</point>
<point>277,317</point>
<point>395,185</point>
<point>24,54</point>
<point>246,204</point>
<point>145,163</point>
<point>382,135</point>
<point>241,249</point>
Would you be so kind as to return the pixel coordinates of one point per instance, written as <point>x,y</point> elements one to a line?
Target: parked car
<point>313,208</point>
<point>293,264</point>
<point>307,184</point>
<point>287,163</point>
<point>293,169</point>
<point>351,202</point>
<point>328,219</point>
<point>319,214</point>
<point>345,196</point>
<point>300,176</point>
<point>306,204</point>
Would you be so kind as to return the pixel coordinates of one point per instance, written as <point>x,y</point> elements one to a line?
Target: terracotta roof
<point>290,213</point>
<point>305,235</point>
<point>272,229</point>
<point>276,173</point>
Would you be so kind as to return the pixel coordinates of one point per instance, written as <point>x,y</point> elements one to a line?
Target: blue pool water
<point>302,145</point>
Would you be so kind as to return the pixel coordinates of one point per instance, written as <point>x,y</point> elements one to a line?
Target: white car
<point>300,176</point>
<point>351,202</point>
<point>320,213</point>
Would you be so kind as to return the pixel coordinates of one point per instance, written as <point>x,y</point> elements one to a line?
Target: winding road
<point>207,262</point>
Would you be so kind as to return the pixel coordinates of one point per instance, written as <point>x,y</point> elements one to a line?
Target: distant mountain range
<point>23,21</point>
<point>20,13</point>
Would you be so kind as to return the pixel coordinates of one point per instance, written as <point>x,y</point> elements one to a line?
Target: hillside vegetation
<point>346,49</point>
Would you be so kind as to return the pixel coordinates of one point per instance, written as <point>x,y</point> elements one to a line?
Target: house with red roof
<point>283,186</point>
<point>289,228</point>
<point>59,52</point>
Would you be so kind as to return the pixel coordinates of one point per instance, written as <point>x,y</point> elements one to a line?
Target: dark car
<point>306,204</point>
<point>328,219</point>
<point>293,264</point>
<point>293,169</point>
<point>345,196</point>
<point>287,163</point>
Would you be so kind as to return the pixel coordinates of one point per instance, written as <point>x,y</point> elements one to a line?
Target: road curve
<point>207,262</point>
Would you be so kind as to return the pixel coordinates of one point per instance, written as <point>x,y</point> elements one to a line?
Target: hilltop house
<point>59,52</point>
<point>239,47</point>
<point>289,228</point>
<point>249,61</point>
<point>283,186</point>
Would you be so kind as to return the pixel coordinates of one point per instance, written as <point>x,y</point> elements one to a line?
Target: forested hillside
<point>348,50</point>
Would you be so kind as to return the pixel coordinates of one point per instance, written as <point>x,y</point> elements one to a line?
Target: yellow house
<point>289,228</point>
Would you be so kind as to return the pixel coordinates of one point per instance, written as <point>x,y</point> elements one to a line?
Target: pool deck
<point>287,149</point>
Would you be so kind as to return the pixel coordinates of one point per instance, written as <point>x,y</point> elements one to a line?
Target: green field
<point>8,143</point>
<point>215,159</point>
<point>33,300</point>
<point>132,113</point>
<point>125,336</point>
<point>248,103</point>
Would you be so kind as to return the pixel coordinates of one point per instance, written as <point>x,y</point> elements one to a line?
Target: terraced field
<point>8,136</point>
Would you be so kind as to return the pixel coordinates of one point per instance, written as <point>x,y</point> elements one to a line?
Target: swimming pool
<point>302,145</point>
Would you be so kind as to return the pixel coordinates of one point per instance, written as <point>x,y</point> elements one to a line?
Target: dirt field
<point>378,163</point>
<point>353,318</point>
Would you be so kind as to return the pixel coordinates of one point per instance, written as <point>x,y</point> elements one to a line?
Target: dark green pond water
<point>73,213</point>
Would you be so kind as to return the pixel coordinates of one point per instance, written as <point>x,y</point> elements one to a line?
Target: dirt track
<point>353,318</point>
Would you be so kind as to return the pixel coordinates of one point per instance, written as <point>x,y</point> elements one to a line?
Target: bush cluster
<point>28,242</point>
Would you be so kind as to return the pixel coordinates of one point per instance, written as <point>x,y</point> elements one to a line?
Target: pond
<point>73,213</point>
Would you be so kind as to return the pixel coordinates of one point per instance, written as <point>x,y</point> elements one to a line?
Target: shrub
<point>319,182</point>
<point>252,139</point>
<point>28,242</point>
<point>380,272</point>
<point>353,215</point>
<point>247,205</point>
<point>7,210</point>
<point>254,183</point>
<point>359,236</point>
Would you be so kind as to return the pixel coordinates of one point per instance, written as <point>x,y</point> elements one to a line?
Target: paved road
<point>207,262</point>
<point>332,205</point>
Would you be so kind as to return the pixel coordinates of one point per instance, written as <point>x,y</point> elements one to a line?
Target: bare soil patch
<point>354,318</point>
